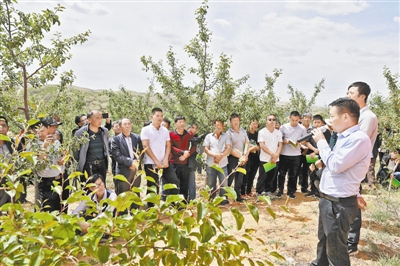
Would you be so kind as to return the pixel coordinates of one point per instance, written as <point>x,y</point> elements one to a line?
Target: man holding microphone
<point>340,181</point>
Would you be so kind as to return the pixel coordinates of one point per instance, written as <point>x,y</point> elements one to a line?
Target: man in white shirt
<point>217,146</point>
<point>290,155</point>
<point>157,141</point>
<point>270,141</point>
<point>359,92</point>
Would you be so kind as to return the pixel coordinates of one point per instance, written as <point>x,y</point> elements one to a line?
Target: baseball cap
<point>49,121</point>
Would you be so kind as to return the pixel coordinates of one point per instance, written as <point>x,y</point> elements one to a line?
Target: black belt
<point>96,161</point>
<point>334,199</point>
<point>52,178</point>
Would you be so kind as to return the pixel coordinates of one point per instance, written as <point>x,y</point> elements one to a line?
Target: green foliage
<point>298,100</point>
<point>215,93</point>
<point>125,104</point>
<point>24,60</point>
<point>388,110</point>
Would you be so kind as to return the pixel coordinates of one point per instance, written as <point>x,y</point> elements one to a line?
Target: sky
<point>340,41</point>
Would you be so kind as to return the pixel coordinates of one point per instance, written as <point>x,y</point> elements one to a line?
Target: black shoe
<point>239,200</point>
<point>292,196</point>
<point>316,195</point>
<point>353,250</point>
<point>310,194</point>
<point>305,191</point>
<point>278,195</point>
<point>224,202</point>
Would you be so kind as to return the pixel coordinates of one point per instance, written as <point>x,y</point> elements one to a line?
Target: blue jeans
<point>211,180</point>
<point>397,175</point>
<point>192,183</point>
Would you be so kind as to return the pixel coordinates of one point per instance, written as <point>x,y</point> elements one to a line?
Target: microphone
<point>309,135</point>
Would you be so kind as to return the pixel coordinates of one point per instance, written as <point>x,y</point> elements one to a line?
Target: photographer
<point>49,154</point>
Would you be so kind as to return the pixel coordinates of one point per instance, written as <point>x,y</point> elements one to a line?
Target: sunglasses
<point>273,119</point>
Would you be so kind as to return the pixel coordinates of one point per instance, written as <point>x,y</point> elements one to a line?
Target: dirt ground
<point>295,233</point>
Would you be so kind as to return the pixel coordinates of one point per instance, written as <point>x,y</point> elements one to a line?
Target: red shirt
<point>180,144</point>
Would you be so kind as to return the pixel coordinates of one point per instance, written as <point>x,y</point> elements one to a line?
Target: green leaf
<point>4,138</point>
<point>173,237</point>
<point>174,198</point>
<point>242,170</point>
<point>218,168</point>
<point>207,231</point>
<point>238,217</point>
<point>44,216</point>
<point>26,172</point>
<point>31,122</point>
<point>36,258</point>
<point>74,174</point>
<point>151,179</point>
<point>254,212</point>
<point>169,186</point>
<point>230,192</point>
<point>277,255</point>
<point>103,253</point>
<point>265,199</point>
<point>152,198</point>
<point>26,154</point>
<point>271,212</point>
<point>285,208</point>
<point>121,178</point>
<point>201,211</point>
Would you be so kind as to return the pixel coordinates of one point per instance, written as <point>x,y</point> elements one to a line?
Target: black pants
<point>333,228</point>
<point>182,173</point>
<point>237,176</point>
<point>99,168</point>
<point>49,200</point>
<point>265,179</point>
<point>251,171</point>
<point>288,164</point>
<point>303,174</point>
<point>168,177</point>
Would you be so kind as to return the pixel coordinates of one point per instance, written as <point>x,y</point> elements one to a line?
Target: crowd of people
<point>328,162</point>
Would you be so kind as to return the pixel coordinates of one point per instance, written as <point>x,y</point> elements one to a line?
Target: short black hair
<point>179,117</point>
<point>156,109</point>
<point>363,88</point>
<point>193,124</point>
<point>120,121</point>
<point>93,178</point>
<point>78,118</point>
<point>218,120</point>
<point>116,122</point>
<point>294,113</point>
<point>318,117</point>
<point>4,119</point>
<point>166,120</point>
<point>234,116</point>
<point>347,105</point>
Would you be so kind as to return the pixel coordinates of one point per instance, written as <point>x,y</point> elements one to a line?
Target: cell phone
<point>104,115</point>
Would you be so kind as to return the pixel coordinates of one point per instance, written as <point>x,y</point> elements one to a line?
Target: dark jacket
<point>4,197</point>
<point>80,155</point>
<point>120,152</point>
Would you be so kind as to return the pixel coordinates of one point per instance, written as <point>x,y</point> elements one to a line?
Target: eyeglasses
<point>273,119</point>
<point>99,184</point>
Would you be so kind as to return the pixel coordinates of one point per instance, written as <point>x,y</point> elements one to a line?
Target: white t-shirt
<point>157,142</point>
<point>271,141</point>
<point>292,133</point>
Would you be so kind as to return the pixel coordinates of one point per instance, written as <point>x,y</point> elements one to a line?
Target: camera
<point>104,115</point>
